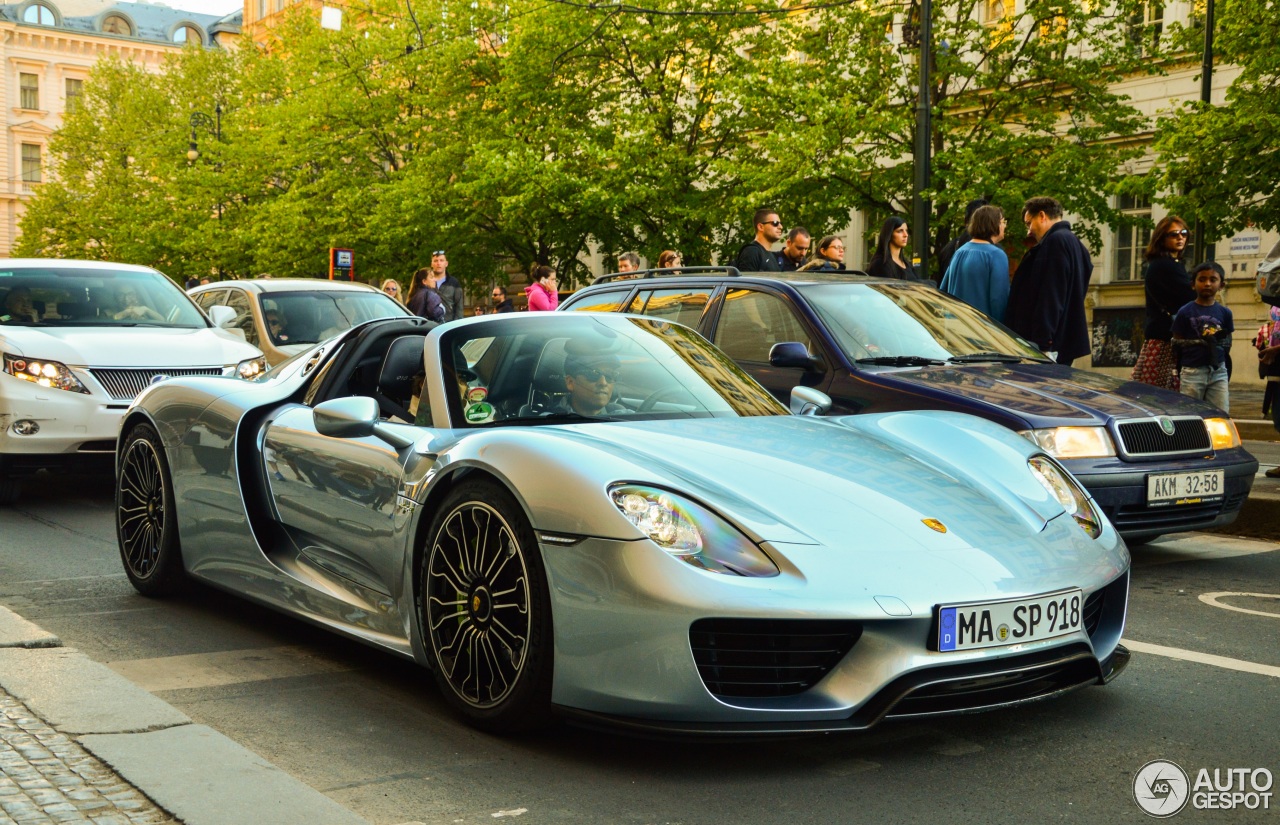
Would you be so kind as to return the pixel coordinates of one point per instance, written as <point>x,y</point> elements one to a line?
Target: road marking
<point>225,667</point>
<point>1198,547</point>
<point>1204,658</point>
<point>1212,600</point>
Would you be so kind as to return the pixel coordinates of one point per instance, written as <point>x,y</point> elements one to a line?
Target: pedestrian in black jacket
<point>1046,298</point>
<point>1168,288</point>
<point>758,256</point>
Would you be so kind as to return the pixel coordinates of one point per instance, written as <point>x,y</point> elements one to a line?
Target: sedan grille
<point>1146,437</point>
<point>123,385</point>
<point>768,657</point>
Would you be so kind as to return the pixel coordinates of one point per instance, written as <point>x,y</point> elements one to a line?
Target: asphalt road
<point>372,732</point>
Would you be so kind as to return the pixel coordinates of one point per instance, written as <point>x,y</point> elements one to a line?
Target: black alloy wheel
<point>486,611</point>
<point>146,525</point>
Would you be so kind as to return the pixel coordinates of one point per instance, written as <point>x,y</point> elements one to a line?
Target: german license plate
<point>992,624</point>
<point>1200,487</point>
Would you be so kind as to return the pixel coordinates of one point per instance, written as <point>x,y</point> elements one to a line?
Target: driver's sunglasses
<point>594,375</point>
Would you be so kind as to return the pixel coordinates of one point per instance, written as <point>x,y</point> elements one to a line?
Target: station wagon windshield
<point>100,297</point>
<point>882,322</point>
<point>527,371</point>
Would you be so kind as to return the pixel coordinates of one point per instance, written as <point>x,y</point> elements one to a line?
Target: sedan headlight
<point>1068,492</point>
<point>1073,442</point>
<point>45,373</point>
<point>691,532</point>
<point>1222,433</point>
<point>251,369</point>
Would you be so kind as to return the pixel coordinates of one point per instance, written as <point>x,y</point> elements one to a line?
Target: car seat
<point>402,367</point>
<point>547,385</point>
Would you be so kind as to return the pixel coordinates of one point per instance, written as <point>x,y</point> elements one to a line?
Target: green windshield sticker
<point>481,413</point>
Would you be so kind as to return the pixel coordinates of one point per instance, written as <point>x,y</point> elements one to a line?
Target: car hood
<point>1050,394</point>
<point>809,480</point>
<point>128,346</point>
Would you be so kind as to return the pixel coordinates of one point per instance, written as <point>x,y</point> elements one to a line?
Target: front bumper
<point>73,426</point>
<point>1120,489</point>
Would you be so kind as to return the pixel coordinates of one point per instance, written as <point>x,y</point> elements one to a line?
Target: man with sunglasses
<point>448,287</point>
<point>590,381</point>
<point>1046,298</point>
<point>758,255</point>
<point>501,303</point>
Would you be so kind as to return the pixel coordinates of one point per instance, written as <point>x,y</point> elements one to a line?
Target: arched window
<point>39,14</point>
<point>187,34</point>
<point>115,24</point>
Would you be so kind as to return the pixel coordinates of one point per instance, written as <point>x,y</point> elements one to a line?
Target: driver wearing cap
<point>590,380</point>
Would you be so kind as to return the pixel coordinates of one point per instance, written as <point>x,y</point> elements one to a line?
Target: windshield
<point>879,322</point>
<point>571,368</point>
<point>313,316</point>
<point>94,297</point>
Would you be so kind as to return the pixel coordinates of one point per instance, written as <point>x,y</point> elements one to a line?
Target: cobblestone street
<point>46,777</point>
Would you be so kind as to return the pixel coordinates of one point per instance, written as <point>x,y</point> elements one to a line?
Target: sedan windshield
<point>569,369</point>
<point>94,297</point>
<point>317,315</point>
<point>912,325</point>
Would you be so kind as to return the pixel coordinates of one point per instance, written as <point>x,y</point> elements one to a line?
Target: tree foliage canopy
<point>528,132</point>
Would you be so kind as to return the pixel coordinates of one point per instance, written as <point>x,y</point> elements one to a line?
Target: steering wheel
<point>657,395</point>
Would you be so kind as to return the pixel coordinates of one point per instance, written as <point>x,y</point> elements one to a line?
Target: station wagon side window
<point>751,322</point>
<point>684,306</point>
<point>606,301</point>
<point>211,298</point>
<point>238,301</point>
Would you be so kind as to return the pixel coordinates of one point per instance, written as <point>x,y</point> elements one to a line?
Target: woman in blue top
<point>979,271</point>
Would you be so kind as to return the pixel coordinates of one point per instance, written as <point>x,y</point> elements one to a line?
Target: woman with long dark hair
<point>542,293</point>
<point>1168,288</point>
<point>888,262</point>
<point>424,300</point>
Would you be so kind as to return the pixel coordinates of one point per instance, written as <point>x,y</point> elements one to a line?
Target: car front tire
<point>146,520</point>
<point>486,611</point>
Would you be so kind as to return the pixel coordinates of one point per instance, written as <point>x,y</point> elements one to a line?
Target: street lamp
<point>199,120</point>
<point>921,34</point>
<point>1206,97</point>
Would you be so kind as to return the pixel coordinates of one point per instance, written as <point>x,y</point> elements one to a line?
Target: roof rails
<point>669,272</point>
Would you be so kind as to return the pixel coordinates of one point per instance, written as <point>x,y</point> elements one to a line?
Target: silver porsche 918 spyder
<point>602,517</point>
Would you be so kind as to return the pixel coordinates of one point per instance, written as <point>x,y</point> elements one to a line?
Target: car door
<point>749,322</point>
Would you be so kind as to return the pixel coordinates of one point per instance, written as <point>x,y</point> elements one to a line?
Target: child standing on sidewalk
<point>1202,333</point>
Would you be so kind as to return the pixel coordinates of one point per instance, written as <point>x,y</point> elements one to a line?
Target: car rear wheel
<point>146,521</point>
<point>485,610</point>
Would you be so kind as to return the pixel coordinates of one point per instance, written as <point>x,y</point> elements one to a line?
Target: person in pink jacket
<point>542,293</point>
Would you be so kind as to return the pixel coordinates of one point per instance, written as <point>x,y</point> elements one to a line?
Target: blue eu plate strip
<point>947,628</point>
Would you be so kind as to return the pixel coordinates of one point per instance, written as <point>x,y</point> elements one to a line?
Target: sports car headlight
<point>251,369</point>
<point>691,532</point>
<point>1222,433</point>
<point>45,373</point>
<point>1069,494</point>
<point>1073,442</point>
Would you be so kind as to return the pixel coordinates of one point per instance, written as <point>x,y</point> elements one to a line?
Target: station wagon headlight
<point>1222,433</point>
<point>251,369</point>
<point>691,532</point>
<point>1068,493</point>
<point>50,374</point>
<point>1073,442</point>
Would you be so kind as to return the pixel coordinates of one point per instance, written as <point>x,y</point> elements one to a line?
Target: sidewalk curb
<point>196,774</point>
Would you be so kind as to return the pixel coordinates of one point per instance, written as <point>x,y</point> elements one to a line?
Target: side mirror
<point>794,354</point>
<point>222,316</point>
<point>346,417</point>
<point>808,401</point>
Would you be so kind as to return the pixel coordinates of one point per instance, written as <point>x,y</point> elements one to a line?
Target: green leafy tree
<point>1223,159</point>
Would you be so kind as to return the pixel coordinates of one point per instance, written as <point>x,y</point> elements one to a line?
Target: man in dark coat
<point>501,303</point>
<point>757,256</point>
<point>1046,299</point>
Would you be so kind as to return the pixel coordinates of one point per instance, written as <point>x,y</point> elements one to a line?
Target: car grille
<point>123,385</point>
<point>988,690</point>
<point>1145,437</point>
<point>768,657</point>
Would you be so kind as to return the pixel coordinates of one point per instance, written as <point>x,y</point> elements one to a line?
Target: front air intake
<point>761,658</point>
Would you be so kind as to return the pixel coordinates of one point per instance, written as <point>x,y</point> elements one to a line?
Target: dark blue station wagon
<point>1155,461</point>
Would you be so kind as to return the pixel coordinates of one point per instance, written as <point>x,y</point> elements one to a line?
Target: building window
<point>1131,241</point>
<point>262,9</point>
<point>115,24</point>
<point>40,15</point>
<point>75,88</point>
<point>28,91</point>
<point>994,11</point>
<point>187,34</point>
<point>1145,27</point>
<point>30,165</point>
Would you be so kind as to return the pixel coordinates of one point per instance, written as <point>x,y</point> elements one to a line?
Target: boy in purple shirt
<point>1202,333</point>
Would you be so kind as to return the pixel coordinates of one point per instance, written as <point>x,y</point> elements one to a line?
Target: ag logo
<point>1166,424</point>
<point>1161,788</point>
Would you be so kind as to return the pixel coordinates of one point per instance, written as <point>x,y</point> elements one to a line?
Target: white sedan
<point>79,340</point>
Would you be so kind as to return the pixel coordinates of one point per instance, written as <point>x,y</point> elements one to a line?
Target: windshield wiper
<point>979,357</point>
<point>900,361</point>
